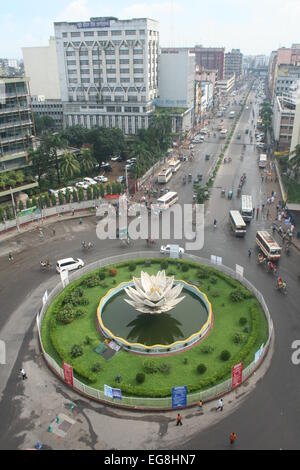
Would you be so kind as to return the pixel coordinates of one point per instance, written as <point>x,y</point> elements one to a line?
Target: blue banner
<point>179,397</point>
<point>117,393</point>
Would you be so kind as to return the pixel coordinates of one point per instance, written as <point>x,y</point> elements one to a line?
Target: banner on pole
<point>108,391</point>
<point>239,270</point>
<point>117,393</point>
<point>64,276</point>
<point>258,354</point>
<point>68,374</point>
<point>237,375</point>
<point>45,298</point>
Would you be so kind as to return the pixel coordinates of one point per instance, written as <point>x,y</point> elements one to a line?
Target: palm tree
<point>69,166</point>
<point>51,143</point>
<point>87,161</point>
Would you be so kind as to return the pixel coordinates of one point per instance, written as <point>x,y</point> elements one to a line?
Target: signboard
<point>45,298</point>
<point>258,354</point>
<point>108,391</point>
<point>28,211</point>
<point>239,270</point>
<point>94,24</point>
<point>216,260</point>
<point>64,276</point>
<point>179,397</point>
<point>117,393</point>
<point>174,251</point>
<point>237,375</point>
<point>68,374</point>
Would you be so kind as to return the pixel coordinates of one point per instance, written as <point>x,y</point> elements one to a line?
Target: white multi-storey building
<point>108,72</point>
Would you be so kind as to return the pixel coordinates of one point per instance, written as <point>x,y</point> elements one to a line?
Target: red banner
<point>237,375</point>
<point>68,374</point>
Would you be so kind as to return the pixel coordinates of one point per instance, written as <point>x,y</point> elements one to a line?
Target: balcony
<point>12,139</point>
<point>15,109</point>
<point>14,124</point>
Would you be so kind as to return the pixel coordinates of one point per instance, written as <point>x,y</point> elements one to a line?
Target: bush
<point>150,367</point>
<point>102,275</point>
<point>236,295</point>
<point>61,198</point>
<point>213,280</point>
<point>76,351</point>
<point>65,315</point>
<point>185,267</point>
<point>243,321</point>
<point>225,355</point>
<point>164,264</point>
<point>201,369</point>
<point>79,313</point>
<point>215,294</point>
<point>96,367</point>
<point>87,341</point>
<point>132,267</point>
<point>75,196</point>
<point>113,272</point>
<point>164,368</point>
<point>202,273</point>
<point>140,378</point>
<point>238,338</point>
<point>21,206</point>
<point>207,349</point>
<point>53,199</point>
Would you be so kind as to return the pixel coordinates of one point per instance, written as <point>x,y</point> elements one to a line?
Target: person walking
<point>200,405</point>
<point>233,437</point>
<point>23,373</point>
<point>257,212</point>
<point>253,212</point>
<point>179,420</point>
<point>10,256</point>
<point>274,228</point>
<point>220,405</point>
<point>249,253</point>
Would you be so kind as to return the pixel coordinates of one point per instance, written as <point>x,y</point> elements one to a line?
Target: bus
<point>237,223</point>
<point>223,133</point>
<point>268,245</point>
<point>247,208</point>
<point>174,165</point>
<point>262,160</point>
<point>167,201</point>
<point>164,176</point>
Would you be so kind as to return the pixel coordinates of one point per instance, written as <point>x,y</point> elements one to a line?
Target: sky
<point>254,27</point>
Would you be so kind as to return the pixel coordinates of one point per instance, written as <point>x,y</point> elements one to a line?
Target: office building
<point>211,58</point>
<point>234,64</point>
<point>108,72</point>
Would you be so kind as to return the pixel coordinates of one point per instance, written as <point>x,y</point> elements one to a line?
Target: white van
<point>69,264</point>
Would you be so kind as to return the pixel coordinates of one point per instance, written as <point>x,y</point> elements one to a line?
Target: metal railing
<point>144,402</point>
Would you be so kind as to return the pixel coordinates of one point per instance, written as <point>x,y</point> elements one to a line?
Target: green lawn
<point>183,366</point>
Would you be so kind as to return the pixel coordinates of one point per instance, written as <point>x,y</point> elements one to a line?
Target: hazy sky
<point>256,26</point>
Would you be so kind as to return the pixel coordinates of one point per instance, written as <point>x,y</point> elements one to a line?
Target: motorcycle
<point>87,246</point>
<point>271,268</point>
<point>281,287</point>
<point>45,265</point>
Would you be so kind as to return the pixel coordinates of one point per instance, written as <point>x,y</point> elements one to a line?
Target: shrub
<point>80,195</point>
<point>61,198</point>
<point>113,272</point>
<point>202,273</point>
<point>21,205</point>
<point>213,280</point>
<point>207,349</point>
<point>102,275</point>
<point>185,361</point>
<point>238,338</point>
<point>53,200</point>
<point>215,294</point>
<point>236,295</point>
<point>164,368</point>
<point>75,196</point>
<point>87,341</point>
<point>89,194</point>
<point>65,315</point>
<point>243,321</point>
<point>76,351</point>
<point>225,355</point>
<point>96,367</point>
<point>92,281</point>
<point>132,267</point>
<point>79,313</point>
<point>149,366</point>
<point>164,264</point>
<point>140,378</point>
<point>185,267</point>
<point>201,368</point>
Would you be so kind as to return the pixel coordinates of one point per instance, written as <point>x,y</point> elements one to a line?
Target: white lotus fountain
<point>154,294</point>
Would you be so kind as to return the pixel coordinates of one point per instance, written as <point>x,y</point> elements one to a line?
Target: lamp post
<point>14,208</point>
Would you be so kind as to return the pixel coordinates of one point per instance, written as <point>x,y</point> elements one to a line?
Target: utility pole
<point>14,208</point>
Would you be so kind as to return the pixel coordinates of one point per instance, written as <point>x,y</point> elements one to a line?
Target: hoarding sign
<point>179,397</point>
<point>68,374</point>
<point>237,375</point>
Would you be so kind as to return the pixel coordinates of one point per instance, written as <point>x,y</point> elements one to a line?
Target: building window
<point>138,70</point>
<point>75,35</point>
<point>124,80</point>
<point>138,61</point>
<point>142,31</point>
<point>130,32</point>
<point>124,61</point>
<point>70,53</point>
<point>110,61</point>
<point>71,62</point>
<point>124,70</point>
<point>83,53</point>
<point>102,33</point>
<point>111,80</point>
<point>111,71</point>
<point>89,34</point>
<point>124,52</point>
<point>65,35</point>
<point>84,62</point>
<point>116,33</point>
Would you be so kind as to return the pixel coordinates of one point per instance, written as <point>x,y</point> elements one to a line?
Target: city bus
<point>223,133</point>
<point>167,201</point>
<point>268,245</point>
<point>262,160</point>
<point>164,176</point>
<point>247,208</point>
<point>174,165</point>
<point>237,223</point>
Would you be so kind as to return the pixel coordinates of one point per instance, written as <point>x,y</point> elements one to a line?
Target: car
<point>166,249</point>
<point>121,179</point>
<point>90,181</point>
<point>106,167</point>
<point>101,179</point>
<point>53,191</point>
<point>116,159</point>
<point>69,264</point>
<point>191,146</point>
<point>82,185</point>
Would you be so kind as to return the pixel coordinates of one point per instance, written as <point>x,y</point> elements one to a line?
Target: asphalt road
<point>269,418</point>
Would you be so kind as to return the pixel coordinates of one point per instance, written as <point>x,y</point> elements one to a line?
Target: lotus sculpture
<point>154,294</point>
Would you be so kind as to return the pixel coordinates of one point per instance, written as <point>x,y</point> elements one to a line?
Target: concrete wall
<point>41,67</point>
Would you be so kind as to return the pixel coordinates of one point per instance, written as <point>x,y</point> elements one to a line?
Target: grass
<point>183,366</point>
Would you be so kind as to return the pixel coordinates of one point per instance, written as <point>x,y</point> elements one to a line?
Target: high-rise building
<point>233,63</point>
<point>108,72</point>
<point>211,58</point>
<point>16,123</point>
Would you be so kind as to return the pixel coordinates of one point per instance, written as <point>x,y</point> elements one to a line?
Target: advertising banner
<point>64,276</point>
<point>117,393</point>
<point>239,270</point>
<point>108,391</point>
<point>237,375</point>
<point>68,374</point>
<point>179,397</point>
<point>258,354</point>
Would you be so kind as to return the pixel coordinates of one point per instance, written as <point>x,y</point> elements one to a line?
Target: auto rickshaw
<point>239,192</point>
<point>247,131</point>
<point>190,177</point>
<point>223,193</point>
<point>230,194</point>
<point>200,176</point>
<point>207,157</point>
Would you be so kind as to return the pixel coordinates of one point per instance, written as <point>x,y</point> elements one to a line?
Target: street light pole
<point>14,208</point>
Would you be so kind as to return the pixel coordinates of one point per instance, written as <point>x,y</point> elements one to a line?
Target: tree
<point>87,161</point>
<point>80,195</point>
<point>53,199</point>
<point>95,192</point>
<point>51,144</point>
<point>34,202</point>
<point>61,198</point>
<point>2,218</point>
<point>75,136</point>
<point>43,123</point>
<point>40,162</point>
<point>89,193</point>
<point>108,189</point>
<point>28,203</point>
<point>68,196</point>
<point>8,212</point>
<point>75,196</point>
<point>114,188</point>
<point>102,190</point>
<point>69,166</point>
<point>47,200</point>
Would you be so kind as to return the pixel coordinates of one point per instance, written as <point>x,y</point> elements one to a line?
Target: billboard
<point>94,24</point>
<point>68,374</point>
<point>179,397</point>
<point>237,375</point>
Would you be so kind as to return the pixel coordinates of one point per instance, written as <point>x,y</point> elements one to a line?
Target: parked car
<point>90,181</point>
<point>116,159</point>
<point>191,146</point>
<point>121,179</point>
<point>106,167</point>
<point>165,250</point>
<point>53,191</point>
<point>82,185</point>
<point>69,264</point>
<point>101,179</point>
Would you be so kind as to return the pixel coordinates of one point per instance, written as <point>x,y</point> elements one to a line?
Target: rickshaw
<point>207,157</point>
<point>223,193</point>
<point>260,259</point>
<point>281,285</point>
<point>184,180</point>
<point>230,194</point>
<point>190,177</point>
<point>200,176</point>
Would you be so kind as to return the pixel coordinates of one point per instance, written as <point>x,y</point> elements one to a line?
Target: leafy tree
<point>2,214</point>
<point>28,203</point>
<point>40,162</point>
<point>47,200</point>
<point>114,188</point>
<point>61,198</point>
<point>8,212</point>
<point>41,202</point>
<point>68,196</point>
<point>69,166</point>
<point>53,199</point>
<point>89,194</point>
<point>95,192</point>
<point>75,136</point>
<point>80,195</point>
<point>43,123</point>
<point>108,189</point>
<point>75,196</point>
<point>119,188</point>
<point>34,202</point>
<point>101,190</point>
<point>87,161</point>
<point>51,144</point>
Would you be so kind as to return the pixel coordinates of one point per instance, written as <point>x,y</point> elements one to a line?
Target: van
<point>69,264</point>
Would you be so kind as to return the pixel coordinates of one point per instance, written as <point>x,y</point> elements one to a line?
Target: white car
<point>191,146</point>
<point>165,250</point>
<point>69,264</point>
<point>82,185</point>
<point>116,159</point>
<point>53,191</point>
<point>101,179</point>
<point>89,181</point>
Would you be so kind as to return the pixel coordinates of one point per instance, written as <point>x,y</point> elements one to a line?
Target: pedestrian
<point>275,194</point>
<point>73,212</point>
<point>232,437</point>
<point>292,228</point>
<point>80,221</point>
<point>272,200</point>
<point>220,405</point>
<point>200,404</point>
<point>272,194</point>
<point>23,373</point>
<point>179,420</point>
<point>278,207</point>
<point>262,178</point>
<point>279,217</point>
<point>53,232</point>
<point>257,212</point>
<point>249,253</point>
<point>253,213</point>
<point>263,207</point>
<point>274,228</point>
<point>280,230</point>
<point>10,256</point>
